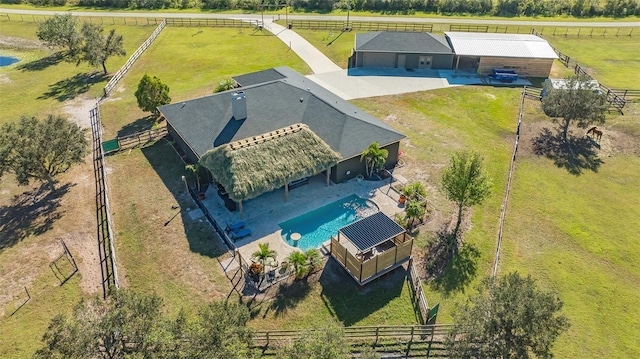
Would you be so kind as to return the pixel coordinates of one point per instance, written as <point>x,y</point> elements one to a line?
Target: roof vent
<point>301,99</point>
<point>308,88</point>
<point>239,105</point>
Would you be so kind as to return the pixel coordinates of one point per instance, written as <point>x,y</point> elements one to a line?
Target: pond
<point>8,60</point>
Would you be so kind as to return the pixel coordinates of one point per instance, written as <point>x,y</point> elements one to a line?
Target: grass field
<point>613,61</point>
<point>40,83</point>
<point>574,234</point>
<point>437,126</point>
<point>194,68</point>
<point>577,235</point>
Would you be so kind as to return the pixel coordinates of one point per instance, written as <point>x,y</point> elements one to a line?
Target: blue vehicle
<point>505,75</point>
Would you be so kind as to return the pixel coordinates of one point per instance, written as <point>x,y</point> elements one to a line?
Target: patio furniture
<point>235,226</point>
<point>235,235</point>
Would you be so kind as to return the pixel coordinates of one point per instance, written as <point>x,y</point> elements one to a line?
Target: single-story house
<point>527,55</point>
<point>410,50</point>
<point>299,128</point>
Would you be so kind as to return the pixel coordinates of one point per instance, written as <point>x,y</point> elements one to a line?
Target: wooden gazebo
<point>371,247</point>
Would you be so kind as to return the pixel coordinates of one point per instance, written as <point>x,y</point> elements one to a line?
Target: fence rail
<point>138,139</point>
<point>505,201</point>
<point>188,22</point>
<point>615,101</point>
<point>419,298</point>
<point>361,25</point>
<point>124,69</point>
<point>628,95</point>
<point>106,237</point>
<point>434,335</point>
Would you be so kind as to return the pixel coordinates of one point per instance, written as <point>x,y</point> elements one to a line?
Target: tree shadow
<point>574,154</point>
<point>30,213</point>
<point>166,163</point>
<point>43,63</point>
<point>349,302</point>
<point>140,124</point>
<point>450,267</point>
<point>73,86</point>
<point>288,296</point>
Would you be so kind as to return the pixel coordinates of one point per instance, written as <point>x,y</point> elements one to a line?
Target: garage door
<point>379,59</point>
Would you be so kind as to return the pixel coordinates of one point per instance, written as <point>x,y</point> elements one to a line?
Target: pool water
<point>7,60</point>
<point>319,225</point>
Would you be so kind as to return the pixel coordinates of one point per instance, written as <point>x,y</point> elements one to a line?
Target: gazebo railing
<point>364,269</point>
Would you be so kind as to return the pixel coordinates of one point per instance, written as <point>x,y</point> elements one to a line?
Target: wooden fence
<point>134,140</point>
<point>185,22</point>
<point>505,201</point>
<point>106,235</point>
<point>360,25</point>
<point>616,102</point>
<point>416,341</point>
<point>419,298</point>
<point>627,95</point>
<point>123,70</point>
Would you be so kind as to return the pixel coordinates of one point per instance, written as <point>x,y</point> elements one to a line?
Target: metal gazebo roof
<point>371,231</point>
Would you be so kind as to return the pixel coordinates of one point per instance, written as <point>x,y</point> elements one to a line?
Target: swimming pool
<point>319,225</point>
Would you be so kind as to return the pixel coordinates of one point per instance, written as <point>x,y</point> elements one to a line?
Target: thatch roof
<point>260,164</point>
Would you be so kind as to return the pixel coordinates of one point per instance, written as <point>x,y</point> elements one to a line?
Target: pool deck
<point>262,214</point>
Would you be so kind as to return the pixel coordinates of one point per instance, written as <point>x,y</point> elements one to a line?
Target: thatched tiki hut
<point>252,166</point>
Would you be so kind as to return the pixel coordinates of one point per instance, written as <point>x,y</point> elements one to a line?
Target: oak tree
<point>34,149</point>
<point>578,100</point>
<point>509,317</point>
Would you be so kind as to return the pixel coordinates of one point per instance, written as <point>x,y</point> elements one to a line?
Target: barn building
<point>527,55</point>
<point>410,50</point>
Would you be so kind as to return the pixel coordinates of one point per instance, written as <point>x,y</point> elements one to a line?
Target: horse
<point>595,133</point>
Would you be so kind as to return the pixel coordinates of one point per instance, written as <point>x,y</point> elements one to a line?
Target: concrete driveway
<point>371,82</point>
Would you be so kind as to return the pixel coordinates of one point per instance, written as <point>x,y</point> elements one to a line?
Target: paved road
<point>326,17</point>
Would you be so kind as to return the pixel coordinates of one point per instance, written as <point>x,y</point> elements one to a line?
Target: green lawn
<point>40,83</point>
<point>577,235</point>
<point>436,126</point>
<point>613,61</point>
<point>192,61</point>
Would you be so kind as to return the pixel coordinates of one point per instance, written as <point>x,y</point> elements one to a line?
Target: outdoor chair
<point>235,226</point>
<point>235,235</point>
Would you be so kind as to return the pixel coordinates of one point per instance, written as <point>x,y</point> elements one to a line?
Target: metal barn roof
<point>500,45</point>
<point>371,231</point>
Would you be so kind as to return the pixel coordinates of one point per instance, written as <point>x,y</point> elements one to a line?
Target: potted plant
<point>414,191</point>
<point>403,198</point>
<point>255,269</point>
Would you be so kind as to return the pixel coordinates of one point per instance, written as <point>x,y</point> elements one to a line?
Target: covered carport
<point>527,55</point>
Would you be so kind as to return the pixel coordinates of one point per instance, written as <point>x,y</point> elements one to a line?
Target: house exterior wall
<point>379,59</point>
<point>523,66</point>
<point>179,142</point>
<point>376,59</point>
<point>356,167</point>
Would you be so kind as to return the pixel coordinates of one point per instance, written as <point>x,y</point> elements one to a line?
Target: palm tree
<point>374,157</point>
<point>414,210</point>
<point>415,191</point>
<point>313,259</point>
<point>263,253</point>
<point>224,85</point>
<point>299,261</point>
<point>195,169</point>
